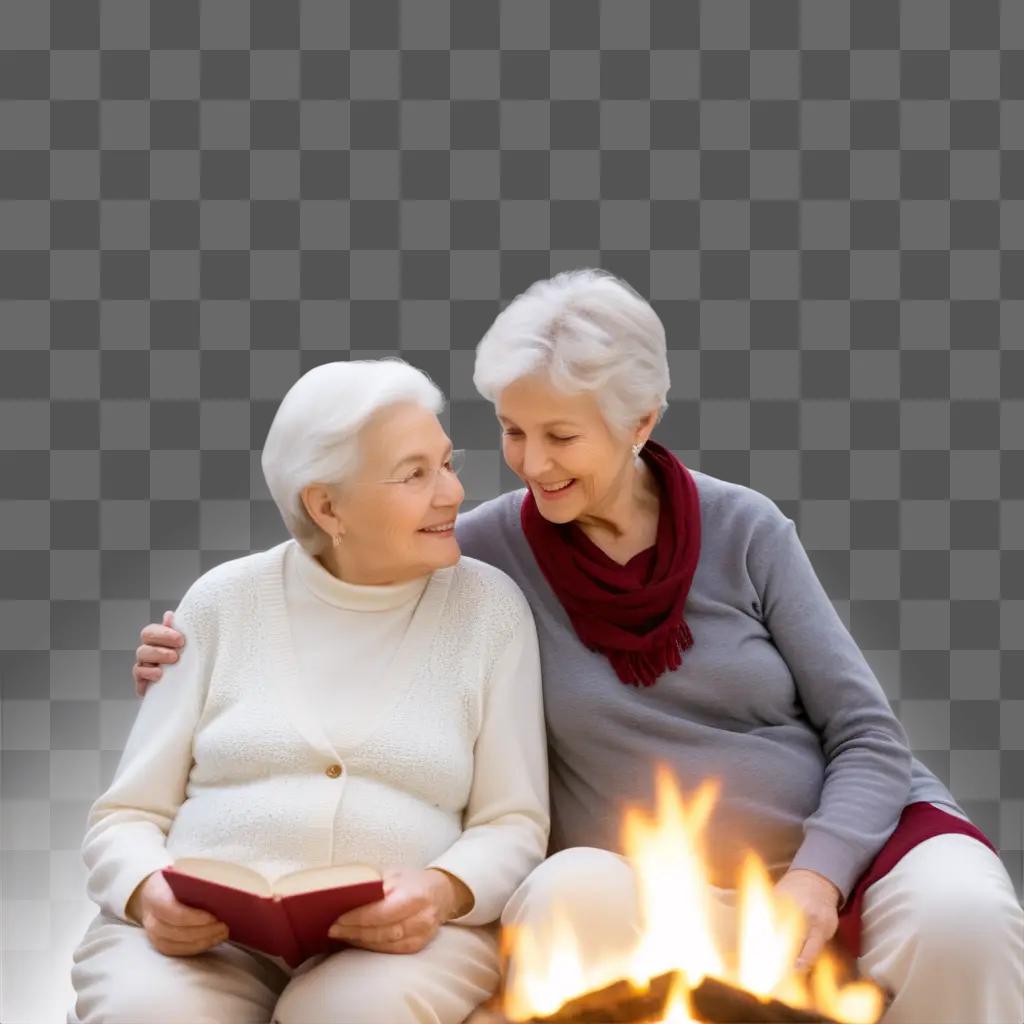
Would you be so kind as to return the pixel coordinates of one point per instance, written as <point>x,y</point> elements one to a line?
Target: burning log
<point>713,1001</point>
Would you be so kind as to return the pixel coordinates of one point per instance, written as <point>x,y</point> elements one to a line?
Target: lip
<point>438,533</point>
<point>553,495</point>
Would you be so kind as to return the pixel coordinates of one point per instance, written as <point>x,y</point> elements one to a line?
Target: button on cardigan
<point>229,757</point>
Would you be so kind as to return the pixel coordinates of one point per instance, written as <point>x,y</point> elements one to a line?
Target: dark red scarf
<point>633,613</point>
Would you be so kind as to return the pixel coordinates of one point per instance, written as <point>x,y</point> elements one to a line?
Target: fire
<point>682,930</point>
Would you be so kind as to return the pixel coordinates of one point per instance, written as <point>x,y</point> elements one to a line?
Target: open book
<point>288,917</point>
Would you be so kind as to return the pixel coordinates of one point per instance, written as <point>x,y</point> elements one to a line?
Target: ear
<point>646,426</point>
<point>322,507</point>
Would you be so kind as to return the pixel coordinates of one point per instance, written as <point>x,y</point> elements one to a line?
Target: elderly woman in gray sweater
<point>681,622</point>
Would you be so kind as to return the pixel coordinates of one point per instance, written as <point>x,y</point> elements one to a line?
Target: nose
<point>449,490</point>
<point>535,460</point>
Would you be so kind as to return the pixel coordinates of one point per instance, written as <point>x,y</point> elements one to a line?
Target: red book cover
<point>288,919</point>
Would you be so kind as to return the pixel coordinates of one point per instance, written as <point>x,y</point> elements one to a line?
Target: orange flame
<point>680,930</point>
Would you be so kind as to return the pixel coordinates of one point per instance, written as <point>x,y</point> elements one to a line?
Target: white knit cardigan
<point>227,759</point>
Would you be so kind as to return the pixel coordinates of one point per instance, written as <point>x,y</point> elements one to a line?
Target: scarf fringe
<point>642,668</point>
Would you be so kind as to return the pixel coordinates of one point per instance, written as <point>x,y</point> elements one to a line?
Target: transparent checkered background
<point>200,201</point>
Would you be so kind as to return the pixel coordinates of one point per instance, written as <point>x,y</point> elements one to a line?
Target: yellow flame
<point>677,1006</point>
<point>858,1002</point>
<point>677,933</point>
<point>666,853</point>
<point>771,931</point>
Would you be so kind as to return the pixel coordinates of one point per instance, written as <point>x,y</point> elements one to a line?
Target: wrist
<point>825,884</point>
<point>452,896</point>
<point>133,908</point>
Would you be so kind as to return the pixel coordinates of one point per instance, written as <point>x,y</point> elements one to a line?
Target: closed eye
<point>553,437</point>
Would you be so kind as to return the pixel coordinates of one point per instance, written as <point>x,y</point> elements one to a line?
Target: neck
<point>331,560</point>
<point>629,508</point>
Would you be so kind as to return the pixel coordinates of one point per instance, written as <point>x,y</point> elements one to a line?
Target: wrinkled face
<point>562,448</point>
<point>398,531</point>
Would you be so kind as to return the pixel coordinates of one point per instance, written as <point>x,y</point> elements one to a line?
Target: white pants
<point>119,978</point>
<point>943,930</point>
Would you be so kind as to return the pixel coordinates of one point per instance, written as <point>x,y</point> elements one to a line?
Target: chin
<point>558,515</point>
<point>448,556</point>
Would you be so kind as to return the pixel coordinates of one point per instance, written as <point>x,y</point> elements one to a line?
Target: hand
<point>415,905</point>
<point>160,643</point>
<point>818,899</point>
<point>173,928</point>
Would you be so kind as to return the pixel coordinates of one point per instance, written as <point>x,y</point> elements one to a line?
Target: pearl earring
<point>636,449</point>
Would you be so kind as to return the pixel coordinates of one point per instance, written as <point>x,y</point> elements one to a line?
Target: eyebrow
<point>550,423</point>
<point>418,457</point>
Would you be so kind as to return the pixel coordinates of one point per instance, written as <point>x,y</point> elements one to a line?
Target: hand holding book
<point>173,928</point>
<point>415,905</point>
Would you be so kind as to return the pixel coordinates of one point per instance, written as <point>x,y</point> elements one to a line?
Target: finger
<point>185,931</point>
<point>813,945</point>
<point>423,923</point>
<point>151,654</point>
<point>144,681</point>
<point>388,911</point>
<point>172,948</point>
<point>206,935</point>
<point>161,636</point>
<point>176,933</point>
<point>179,915</point>
<point>388,934</point>
<point>405,946</point>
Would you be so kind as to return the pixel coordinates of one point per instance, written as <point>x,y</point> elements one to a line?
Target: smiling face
<point>563,449</point>
<point>392,532</point>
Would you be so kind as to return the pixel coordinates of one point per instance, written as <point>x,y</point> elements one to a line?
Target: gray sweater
<point>774,698</point>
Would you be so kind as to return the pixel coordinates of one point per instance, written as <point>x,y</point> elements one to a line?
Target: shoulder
<point>220,586</point>
<point>492,585</point>
<point>489,531</point>
<point>496,514</point>
<point>736,508</point>
<point>743,531</point>
<point>488,597</point>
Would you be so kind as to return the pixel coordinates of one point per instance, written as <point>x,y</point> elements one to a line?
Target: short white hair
<point>314,437</point>
<point>588,330</point>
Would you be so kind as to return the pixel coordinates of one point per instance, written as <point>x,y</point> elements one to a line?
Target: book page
<point>225,873</point>
<point>328,877</point>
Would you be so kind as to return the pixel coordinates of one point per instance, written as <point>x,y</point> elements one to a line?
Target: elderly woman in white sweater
<point>397,721</point>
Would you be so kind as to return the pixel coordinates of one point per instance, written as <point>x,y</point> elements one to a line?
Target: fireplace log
<point>717,1001</point>
<point>713,1001</point>
<point>615,1004</point>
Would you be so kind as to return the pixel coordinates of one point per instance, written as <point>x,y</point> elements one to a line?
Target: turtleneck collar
<point>353,596</point>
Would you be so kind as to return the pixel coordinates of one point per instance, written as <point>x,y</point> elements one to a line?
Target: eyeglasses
<point>421,478</point>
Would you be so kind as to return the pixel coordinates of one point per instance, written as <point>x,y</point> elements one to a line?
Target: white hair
<point>588,330</point>
<point>314,437</point>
